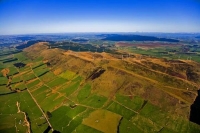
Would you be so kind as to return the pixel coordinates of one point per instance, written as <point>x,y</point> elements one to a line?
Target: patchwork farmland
<point>71,93</point>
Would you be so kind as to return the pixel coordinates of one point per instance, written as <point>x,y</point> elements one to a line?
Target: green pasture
<point>9,116</point>
<point>134,103</point>
<point>21,57</point>
<point>84,92</point>
<point>66,118</point>
<point>69,75</point>
<point>16,79</point>
<point>85,128</point>
<point>48,77</point>
<point>33,112</point>
<point>56,82</point>
<point>4,89</point>
<point>38,65</point>
<point>128,127</point>
<point>56,101</point>
<point>40,72</point>
<point>12,71</point>
<point>121,110</point>
<point>73,125</point>
<point>33,83</point>
<point>9,123</point>
<point>20,86</point>
<point>28,76</point>
<point>163,53</point>
<point>59,119</point>
<point>154,113</point>
<point>70,88</point>
<point>40,90</point>
<point>3,80</point>
<point>95,101</point>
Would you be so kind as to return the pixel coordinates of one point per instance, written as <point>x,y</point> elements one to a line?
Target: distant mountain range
<point>79,40</point>
<point>117,37</point>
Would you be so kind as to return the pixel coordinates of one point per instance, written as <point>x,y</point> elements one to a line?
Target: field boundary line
<point>40,110</point>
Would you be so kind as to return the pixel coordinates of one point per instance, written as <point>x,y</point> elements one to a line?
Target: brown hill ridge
<point>170,84</point>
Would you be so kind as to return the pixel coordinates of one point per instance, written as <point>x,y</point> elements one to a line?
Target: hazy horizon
<point>63,33</point>
<point>99,16</point>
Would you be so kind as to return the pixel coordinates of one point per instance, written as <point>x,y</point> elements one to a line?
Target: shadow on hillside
<point>195,110</point>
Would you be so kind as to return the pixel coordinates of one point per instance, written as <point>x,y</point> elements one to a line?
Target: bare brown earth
<point>161,82</point>
<point>5,72</point>
<point>26,122</point>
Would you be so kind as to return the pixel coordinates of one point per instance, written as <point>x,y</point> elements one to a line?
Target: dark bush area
<point>10,60</point>
<point>19,65</point>
<point>115,37</point>
<point>80,40</point>
<point>191,75</point>
<point>9,53</point>
<point>47,130</point>
<point>29,43</point>
<point>96,73</point>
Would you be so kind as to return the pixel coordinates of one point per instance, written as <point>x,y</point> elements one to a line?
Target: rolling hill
<point>65,91</point>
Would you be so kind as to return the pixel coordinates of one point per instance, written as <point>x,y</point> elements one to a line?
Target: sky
<point>65,16</point>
